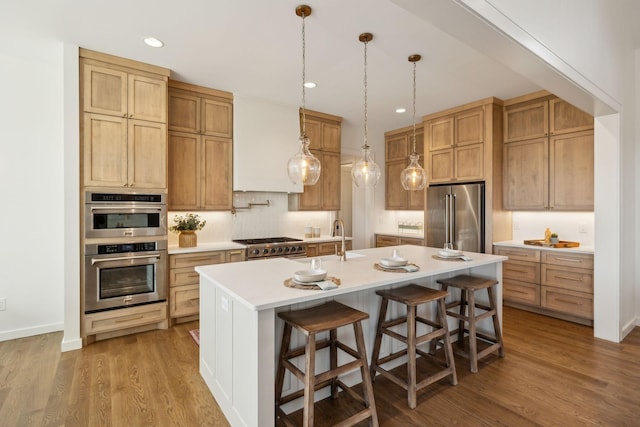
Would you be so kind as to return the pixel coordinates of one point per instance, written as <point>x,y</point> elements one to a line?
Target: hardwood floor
<point>554,374</point>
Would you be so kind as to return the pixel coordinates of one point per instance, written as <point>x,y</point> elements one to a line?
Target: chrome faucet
<point>343,250</point>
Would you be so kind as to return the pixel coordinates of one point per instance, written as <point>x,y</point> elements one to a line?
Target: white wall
<point>32,186</point>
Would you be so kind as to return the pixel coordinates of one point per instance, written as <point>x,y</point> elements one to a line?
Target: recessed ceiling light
<point>401,110</point>
<point>310,85</point>
<point>153,42</point>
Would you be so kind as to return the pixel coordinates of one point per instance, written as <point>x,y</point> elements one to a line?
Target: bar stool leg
<point>364,371</point>
<point>310,380</point>
<point>448,347</point>
<point>473,344</point>
<point>378,341</point>
<point>411,355</point>
<point>496,321</point>
<point>463,311</point>
<point>284,348</point>
<point>333,361</point>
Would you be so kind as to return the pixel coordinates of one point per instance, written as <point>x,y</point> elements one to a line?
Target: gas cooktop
<point>266,240</point>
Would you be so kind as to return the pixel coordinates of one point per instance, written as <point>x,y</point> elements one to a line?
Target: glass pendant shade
<point>413,177</point>
<point>303,167</point>
<point>365,172</point>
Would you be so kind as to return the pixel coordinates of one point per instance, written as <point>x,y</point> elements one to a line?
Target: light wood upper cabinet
<point>456,146</point>
<point>209,113</point>
<point>398,147</point>
<point>324,133</point>
<point>548,160</point>
<point>124,133</point>
<point>200,148</point>
<point>118,93</point>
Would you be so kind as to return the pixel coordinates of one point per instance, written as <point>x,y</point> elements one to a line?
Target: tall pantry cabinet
<point>124,122</point>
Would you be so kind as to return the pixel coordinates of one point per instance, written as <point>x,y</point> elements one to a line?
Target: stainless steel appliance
<point>455,214</point>
<point>274,247</point>
<point>123,274</point>
<point>116,215</point>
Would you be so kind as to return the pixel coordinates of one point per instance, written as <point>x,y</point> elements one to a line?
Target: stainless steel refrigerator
<point>455,213</point>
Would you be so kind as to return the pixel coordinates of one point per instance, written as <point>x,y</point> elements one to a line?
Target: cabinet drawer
<point>194,259</point>
<point>185,301</point>
<point>570,302</point>
<point>410,241</point>
<point>237,255</point>
<point>568,260</point>
<point>521,271</point>
<point>382,240</point>
<point>112,320</point>
<point>577,279</point>
<point>518,254</point>
<point>183,276</point>
<point>329,248</point>
<point>521,292</point>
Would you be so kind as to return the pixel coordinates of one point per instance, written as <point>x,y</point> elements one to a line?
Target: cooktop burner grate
<point>267,240</point>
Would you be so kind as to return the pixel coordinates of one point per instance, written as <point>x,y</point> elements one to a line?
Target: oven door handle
<point>141,209</point>
<point>125,258</point>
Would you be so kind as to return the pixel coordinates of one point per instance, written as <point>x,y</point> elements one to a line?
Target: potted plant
<point>554,238</point>
<point>187,225</point>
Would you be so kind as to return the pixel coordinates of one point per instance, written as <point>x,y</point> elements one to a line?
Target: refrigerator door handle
<point>452,219</point>
<point>447,218</point>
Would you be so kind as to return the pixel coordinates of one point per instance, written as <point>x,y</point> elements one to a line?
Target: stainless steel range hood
<point>265,136</point>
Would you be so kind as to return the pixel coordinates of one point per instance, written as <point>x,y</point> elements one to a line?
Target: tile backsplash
<point>258,221</point>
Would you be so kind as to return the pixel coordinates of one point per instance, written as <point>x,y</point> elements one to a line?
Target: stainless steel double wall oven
<point>125,252</point>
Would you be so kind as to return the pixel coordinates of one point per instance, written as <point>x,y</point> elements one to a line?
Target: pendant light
<point>365,171</point>
<point>414,178</point>
<point>303,167</point>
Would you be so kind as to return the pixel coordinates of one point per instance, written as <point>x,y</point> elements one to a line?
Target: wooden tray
<point>560,244</point>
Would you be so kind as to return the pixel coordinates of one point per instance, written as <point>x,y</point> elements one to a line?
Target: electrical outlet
<point>3,304</point>
<point>224,303</point>
<point>582,228</point>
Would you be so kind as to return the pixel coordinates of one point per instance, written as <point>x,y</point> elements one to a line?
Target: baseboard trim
<point>29,332</point>
<point>71,344</point>
<point>626,329</point>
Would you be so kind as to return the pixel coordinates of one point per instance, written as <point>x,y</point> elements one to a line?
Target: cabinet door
<point>147,98</point>
<point>395,194</point>
<point>311,198</point>
<point>440,133</point>
<point>331,137</point>
<point>147,154</point>
<point>565,118</point>
<point>383,241</point>
<point>217,118</point>
<point>469,127</point>
<point>469,162</point>
<point>410,241</point>
<point>184,171</point>
<point>185,301</point>
<point>104,150</point>
<point>236,255</point>
<point>571,171</point>
<point>313,130</point>
<point>216,191</point>
<point>526,121</point>
<point>330,180</point>
<point>184,112</point>
<point>526,175</point>
<point>441,166</point>
<point>396,148</point>
<point>105,91</point>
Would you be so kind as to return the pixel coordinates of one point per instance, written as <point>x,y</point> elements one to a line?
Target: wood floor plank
<point>554,373</point>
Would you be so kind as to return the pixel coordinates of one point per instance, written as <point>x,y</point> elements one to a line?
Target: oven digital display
<point>119,248</point>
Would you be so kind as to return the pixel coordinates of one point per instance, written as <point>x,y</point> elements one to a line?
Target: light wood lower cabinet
<point>383,240</point>
<point>326,248</point>
<point>555,283</point>
<point>98,325</point>
<point>184,281</point>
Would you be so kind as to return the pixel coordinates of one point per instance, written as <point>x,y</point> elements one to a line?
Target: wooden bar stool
<point>467,313</point>
<point>412,296</point>
<point>311,321</point>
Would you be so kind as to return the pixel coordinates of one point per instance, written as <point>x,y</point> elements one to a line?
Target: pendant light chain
<point>366,128</point>
<point>414,108</point>
<point>304,119</point>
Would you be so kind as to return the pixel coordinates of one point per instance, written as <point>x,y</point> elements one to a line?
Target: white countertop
<point>222,246</point>
<point>518,244</point>
<point>260,284</point>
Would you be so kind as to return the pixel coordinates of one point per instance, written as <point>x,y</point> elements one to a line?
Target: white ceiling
<point>253,48</point>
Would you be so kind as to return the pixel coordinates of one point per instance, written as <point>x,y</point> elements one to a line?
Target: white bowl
<point>450,253</point>
<point>305,276</point>
<point>393,262</point>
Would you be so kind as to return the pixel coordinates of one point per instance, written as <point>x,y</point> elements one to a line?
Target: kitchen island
<point>240,331</point>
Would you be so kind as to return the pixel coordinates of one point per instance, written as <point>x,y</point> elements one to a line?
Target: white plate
<point>390,267</point>
<point>393,262</point>
<point>306,276</point>
<point>450,253</point>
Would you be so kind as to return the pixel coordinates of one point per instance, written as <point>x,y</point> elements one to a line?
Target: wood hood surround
<point>265,136</point>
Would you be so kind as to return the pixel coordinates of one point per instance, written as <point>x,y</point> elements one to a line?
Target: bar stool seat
<point>468,314</point>
<point>412,296</point>
<point>311,321</point>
